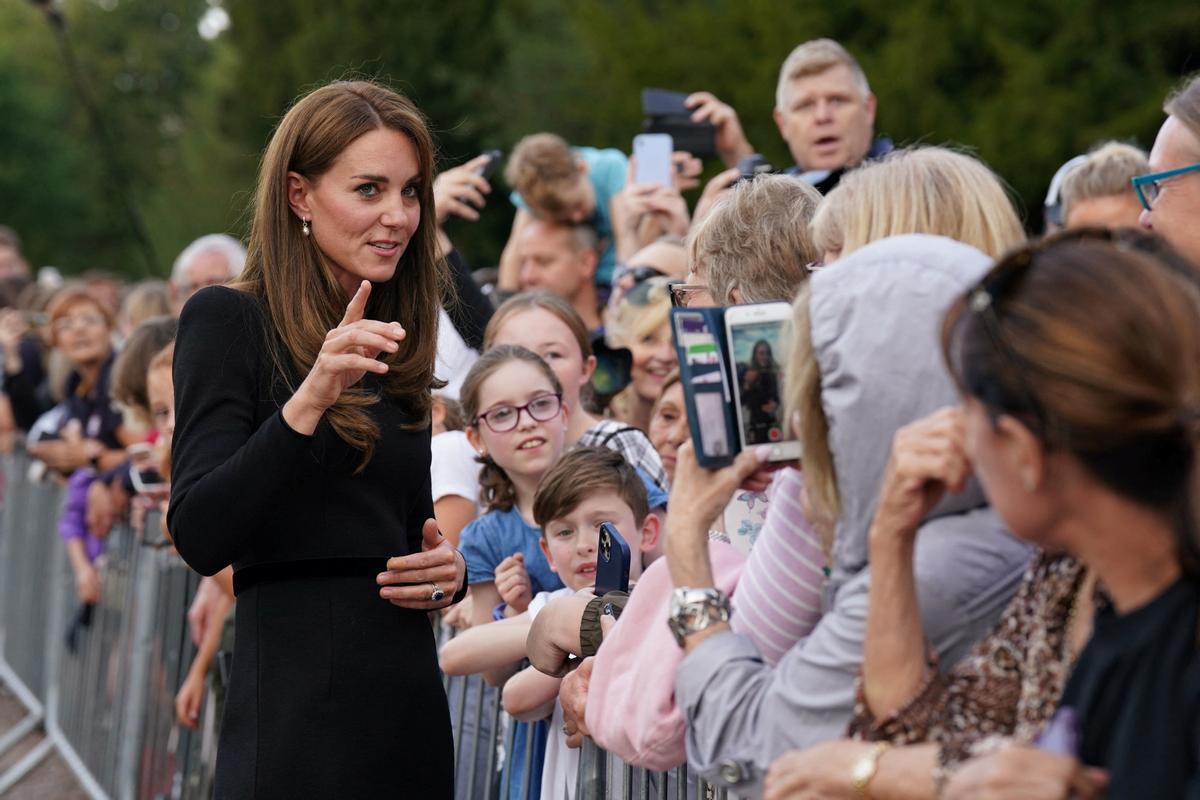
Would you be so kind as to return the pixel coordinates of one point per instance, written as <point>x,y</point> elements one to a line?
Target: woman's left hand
<point>409,581</point>
<point>822,771</point>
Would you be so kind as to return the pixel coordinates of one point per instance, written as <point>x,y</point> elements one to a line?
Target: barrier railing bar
<point>510,738</point>
<point>22,768</point>
<point>141,635</point>
<point>526,776</point>
<point>490,769</point>
<point>473,760</point>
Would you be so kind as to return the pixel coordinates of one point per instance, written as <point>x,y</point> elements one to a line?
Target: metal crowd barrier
<point>484,755</point>
<point>107,704</point>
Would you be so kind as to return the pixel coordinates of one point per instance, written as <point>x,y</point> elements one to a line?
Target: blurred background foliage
<point>188,91</point>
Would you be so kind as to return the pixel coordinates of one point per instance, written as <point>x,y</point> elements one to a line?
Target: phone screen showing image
<point>759,351</point>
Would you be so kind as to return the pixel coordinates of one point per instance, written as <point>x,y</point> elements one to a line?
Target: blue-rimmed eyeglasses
<point>1149,186</point>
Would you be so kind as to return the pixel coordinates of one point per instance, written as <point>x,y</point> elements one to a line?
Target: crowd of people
<point>981,579</point>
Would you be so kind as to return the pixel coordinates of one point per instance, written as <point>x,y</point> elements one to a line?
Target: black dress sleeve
<point>470,310</point>
<point>230,466</point>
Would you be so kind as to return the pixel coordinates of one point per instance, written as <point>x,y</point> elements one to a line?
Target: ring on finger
<point>437,593</point>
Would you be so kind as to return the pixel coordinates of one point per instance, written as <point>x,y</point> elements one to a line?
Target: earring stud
<point>304,228</point>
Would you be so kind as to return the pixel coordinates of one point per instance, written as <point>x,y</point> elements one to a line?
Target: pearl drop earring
<point>304,228</point>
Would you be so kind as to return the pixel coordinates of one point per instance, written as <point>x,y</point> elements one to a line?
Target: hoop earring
<point>304,227</point>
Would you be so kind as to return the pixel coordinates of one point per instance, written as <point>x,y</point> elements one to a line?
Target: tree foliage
<point>1025,86</point>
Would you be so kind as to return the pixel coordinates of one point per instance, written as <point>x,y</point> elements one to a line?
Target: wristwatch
<point>865,769</point>
<point>693,610</point>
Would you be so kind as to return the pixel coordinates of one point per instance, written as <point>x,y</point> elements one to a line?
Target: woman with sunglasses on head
<point>1071,420</point>
<point>641,324</point>
<point>301,457</point>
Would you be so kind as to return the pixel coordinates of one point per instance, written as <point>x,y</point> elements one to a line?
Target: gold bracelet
<point>865,769</point>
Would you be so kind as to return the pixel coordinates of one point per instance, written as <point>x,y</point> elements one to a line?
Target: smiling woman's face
<point>365,208</point>
<point>653,359</point>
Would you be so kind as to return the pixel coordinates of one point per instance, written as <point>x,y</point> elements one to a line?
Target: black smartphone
<point>612,561</point>
<point>666,113</point>
<point>489,169</point>
<point>753,165</point>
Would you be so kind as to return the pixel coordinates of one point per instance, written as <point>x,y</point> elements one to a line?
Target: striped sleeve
<point>778,598</point>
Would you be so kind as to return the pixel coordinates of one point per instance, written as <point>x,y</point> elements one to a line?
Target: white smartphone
<point>759,338</point>
<point>652,158</point>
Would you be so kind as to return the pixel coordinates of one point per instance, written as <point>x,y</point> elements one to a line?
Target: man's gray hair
<point>227,246</point>
<point>814,57</point>
<point>583,238</point>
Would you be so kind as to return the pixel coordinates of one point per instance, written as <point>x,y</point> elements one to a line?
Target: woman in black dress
<point>301,456</point>
<point>760,393</point>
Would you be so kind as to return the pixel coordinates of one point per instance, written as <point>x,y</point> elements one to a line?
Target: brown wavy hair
<point>1095,346</point>
<point>496,490</point>
<point>292,277</point>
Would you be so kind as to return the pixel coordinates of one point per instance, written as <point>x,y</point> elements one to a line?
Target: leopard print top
<point>1006,688</point>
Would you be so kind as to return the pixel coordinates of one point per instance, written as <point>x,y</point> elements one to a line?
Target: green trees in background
<point>1024,85</point>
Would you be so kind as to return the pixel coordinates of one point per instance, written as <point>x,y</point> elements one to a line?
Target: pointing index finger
<point>358,304</point>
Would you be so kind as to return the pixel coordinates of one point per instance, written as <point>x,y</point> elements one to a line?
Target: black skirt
<point>334,693</point>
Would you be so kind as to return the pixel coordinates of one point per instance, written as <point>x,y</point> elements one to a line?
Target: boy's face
<point>570,542</point>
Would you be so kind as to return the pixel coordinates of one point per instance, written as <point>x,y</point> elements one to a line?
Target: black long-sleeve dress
<point>334,691</point>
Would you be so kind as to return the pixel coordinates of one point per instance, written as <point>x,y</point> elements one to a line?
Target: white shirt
<point>561,766</point>
<point>453,469</point>
<point>454,356</point>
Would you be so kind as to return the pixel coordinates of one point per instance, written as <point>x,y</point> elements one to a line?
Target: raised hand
<point>461,191</point>
<point>928,458</point>
<point>350,351</point>
<point>512,581</point>
<point>731,142</point>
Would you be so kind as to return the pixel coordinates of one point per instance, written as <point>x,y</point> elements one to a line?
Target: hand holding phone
<point>462,191</point>
<point>488,168</point>
<point>612,561</point>
<point>652,159</point>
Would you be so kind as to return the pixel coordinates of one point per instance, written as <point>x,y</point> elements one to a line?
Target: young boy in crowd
<point>585,487</point>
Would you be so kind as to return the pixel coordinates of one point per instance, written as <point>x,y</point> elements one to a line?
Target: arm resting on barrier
<point>492,648</point>
<point>529,695</point>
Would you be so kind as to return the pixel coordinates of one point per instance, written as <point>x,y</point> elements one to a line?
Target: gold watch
<point>865,769</point>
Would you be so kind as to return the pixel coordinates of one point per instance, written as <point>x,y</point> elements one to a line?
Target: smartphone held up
<point>613,557</point>
<point>652,159</point>
<point>731,365</point>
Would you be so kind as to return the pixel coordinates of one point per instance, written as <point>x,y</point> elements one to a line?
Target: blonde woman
<point>641,324</point>
<point>918,190</point>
